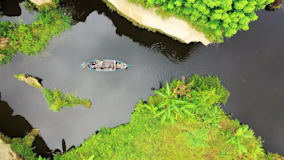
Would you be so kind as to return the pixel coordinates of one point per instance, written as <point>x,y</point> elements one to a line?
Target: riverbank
<point>183,120</point>
<point>30,39</point>
<point>149,19</point>
<point>19,148</point>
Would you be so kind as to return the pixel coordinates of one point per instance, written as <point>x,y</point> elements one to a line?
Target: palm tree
<point>171,105</point>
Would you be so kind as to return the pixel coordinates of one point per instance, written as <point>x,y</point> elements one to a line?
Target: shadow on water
<point>11,7</point>
<point>174,50</point>
<point>17,126</point>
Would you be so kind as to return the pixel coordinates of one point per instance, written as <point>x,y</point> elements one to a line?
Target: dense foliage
<point>32,38</point>
<point>57,100</point>
<point>216,18</point>
<point>201,129</point>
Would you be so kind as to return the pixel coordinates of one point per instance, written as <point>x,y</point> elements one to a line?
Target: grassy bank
<point>216,19</point>
<point>183,120</point>
<point>23,146</point>
<point>32,38</point>
<point>57,100</point>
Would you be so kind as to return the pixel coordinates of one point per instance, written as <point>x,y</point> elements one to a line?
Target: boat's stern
<point>84,65</point>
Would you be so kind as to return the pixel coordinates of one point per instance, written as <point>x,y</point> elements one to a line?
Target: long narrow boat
<point>105,65</point>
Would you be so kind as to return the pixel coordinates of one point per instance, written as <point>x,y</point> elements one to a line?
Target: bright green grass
<point>57,100</point>
<point>200,128</point>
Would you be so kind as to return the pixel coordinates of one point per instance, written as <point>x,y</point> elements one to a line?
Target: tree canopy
<point>216,18</point>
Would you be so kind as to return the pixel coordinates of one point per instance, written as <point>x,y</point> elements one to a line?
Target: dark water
<point>18,126</point>
<point>250,65</point>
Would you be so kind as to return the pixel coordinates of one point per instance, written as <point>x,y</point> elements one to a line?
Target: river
<point>250,65</point>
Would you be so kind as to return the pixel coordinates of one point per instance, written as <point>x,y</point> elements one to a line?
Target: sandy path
<point>171,26</point>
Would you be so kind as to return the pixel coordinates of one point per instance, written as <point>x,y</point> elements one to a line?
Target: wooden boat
<point>105,65</point>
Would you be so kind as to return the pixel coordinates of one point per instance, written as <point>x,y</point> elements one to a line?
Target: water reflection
<point>174,50</point>
<point>17,126</point>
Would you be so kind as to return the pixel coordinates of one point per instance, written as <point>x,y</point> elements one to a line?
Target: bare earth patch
<point>6,152</point>
<point>41,2</point>
<point>172,26</point>
<point>3,43</point>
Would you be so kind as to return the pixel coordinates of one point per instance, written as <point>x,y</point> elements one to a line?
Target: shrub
<point>183,98</point>
<point>216,18</point>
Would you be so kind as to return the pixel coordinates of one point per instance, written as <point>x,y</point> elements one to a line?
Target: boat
<point>105,65</point>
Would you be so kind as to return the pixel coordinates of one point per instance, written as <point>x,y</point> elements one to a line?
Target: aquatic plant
<point>205,133</point>
<point>57,100</point>
<point>32,38</point>
<point>216,18</point>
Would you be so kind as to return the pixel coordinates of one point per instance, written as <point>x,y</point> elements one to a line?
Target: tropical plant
<point>196,96</point>
<point>171,106</point>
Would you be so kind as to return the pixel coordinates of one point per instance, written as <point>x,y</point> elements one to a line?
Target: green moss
<point>32,38</point>
<point>194,127</point>
<point>57,100</point>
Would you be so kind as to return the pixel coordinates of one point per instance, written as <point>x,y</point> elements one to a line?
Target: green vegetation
<point>57,100</point>
<point>23,146</point>
<point>183,120</point>
<point>29,79</point>
<point>32,38</point>
<point>215,18</point>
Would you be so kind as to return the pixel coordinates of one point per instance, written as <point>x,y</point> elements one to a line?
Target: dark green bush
<point>216,18</point>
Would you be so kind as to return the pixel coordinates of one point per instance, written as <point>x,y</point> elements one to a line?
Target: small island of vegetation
<point>55,99</point>
<point>32,38</point>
